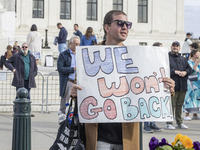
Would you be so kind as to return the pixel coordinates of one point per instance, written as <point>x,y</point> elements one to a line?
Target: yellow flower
<point>186,141</point>
<point>178,137</point>
<point>173,143</point>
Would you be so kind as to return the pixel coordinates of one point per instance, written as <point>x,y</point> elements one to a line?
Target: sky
<point>192,17</point>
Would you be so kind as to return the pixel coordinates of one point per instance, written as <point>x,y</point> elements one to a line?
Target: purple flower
<point>164,142</point>
<point>153,143</point>
<point>196,145</point>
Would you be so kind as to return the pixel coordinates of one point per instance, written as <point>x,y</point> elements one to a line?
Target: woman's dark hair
<point>193,52</point>
<point>194,45</point>
<point>33,27</point>
<point>89,30</point>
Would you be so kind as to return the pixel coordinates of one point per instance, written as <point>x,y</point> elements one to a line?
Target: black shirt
<point>110,133</point>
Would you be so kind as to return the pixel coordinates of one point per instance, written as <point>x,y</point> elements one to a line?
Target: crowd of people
<point>185,71</point>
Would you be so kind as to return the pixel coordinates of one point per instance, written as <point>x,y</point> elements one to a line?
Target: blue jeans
<point>26,86</point>
<point>62,47</point>
<point>148,123</point>
<point>187,55</point>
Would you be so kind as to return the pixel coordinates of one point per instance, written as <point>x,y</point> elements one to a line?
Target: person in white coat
<point>186,46</point>
<point>34,41</point>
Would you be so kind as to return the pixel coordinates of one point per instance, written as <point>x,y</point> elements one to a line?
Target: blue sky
<point>192,17</point>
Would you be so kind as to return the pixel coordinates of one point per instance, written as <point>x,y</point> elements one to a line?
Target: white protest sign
<point>123,84</point>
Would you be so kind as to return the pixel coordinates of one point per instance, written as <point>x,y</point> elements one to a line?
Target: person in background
<point>192,97</point>
<point>66,66</point>
<point>9,52</point>
<point>34,41</point>
<point>186,46</point>
<point>179,71</point>
<point>77,32</point>
<point>194,46</point>
<point>89,38</point>
<point>150,127</point>
<point>16,48</point>
<point>24,68</point>
<point>62,38</point>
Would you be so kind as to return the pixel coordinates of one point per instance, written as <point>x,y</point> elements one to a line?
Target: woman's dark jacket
<point>178,62</point>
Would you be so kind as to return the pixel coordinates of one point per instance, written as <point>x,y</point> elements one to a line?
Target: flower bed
<point>181,142</point>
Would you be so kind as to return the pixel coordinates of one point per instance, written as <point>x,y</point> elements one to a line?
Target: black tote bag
<point>70,134</point>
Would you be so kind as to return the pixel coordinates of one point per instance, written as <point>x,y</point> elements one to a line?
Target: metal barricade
<point>8,92</point>
<point>52,90</point>
<point>37,94</point>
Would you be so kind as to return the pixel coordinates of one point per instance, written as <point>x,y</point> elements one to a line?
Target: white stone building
<point>153,20</point>
<point>7,23</point>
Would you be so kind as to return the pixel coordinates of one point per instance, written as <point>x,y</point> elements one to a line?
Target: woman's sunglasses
<point>120,23</point>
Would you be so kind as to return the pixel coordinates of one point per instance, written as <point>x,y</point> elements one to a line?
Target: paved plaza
<point>44,129</point>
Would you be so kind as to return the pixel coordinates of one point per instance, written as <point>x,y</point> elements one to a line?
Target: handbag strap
<point>75,111</point>
<point>76,115</point>
<point>72,125</point>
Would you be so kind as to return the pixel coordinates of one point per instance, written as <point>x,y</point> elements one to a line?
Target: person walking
<point>23,65</point>
<point>179,71</point>
<point>192,97</point>
<point>34,41</point>
<point>77,32</point>
<point>89,38</point>
<point>186,46</point>
<point>62,38</point>
<point>66,66</point>
<point>115,136</point>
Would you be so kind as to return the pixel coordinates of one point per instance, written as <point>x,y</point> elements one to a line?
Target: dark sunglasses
<point>120,23</point>
<point>24,46</point>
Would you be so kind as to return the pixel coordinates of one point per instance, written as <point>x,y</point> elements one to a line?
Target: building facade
<point>153,20</point>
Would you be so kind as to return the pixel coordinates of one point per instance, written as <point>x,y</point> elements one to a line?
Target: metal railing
<point>7,92</point>
<point>46,92</point>
<point>52,90</point>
